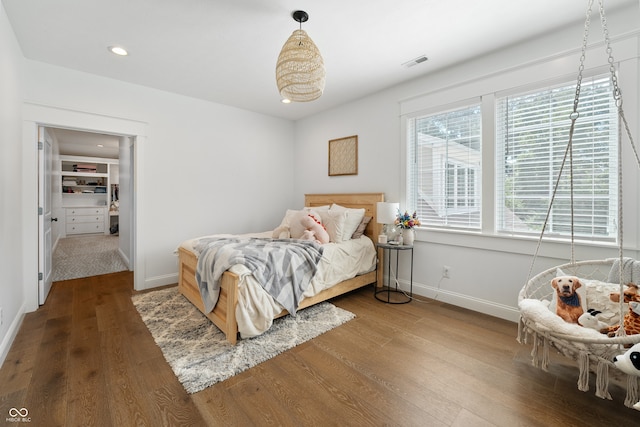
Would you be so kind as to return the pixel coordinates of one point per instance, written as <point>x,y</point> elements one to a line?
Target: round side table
<point>392,294</point>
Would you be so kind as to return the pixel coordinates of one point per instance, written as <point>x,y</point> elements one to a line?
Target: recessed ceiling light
<point>286,101</point>
<point>100,145</point>
<point>118,50</point>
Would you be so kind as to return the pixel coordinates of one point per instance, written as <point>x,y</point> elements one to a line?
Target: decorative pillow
<point>353,219</point>
<point>360,230</point>
<point>334,222</point>
<point>630,271</point>
<point>598,298</point>
<point>581,291</point>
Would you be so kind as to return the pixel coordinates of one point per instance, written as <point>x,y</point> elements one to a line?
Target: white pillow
<point>598,298</point>
<point>334,222</point>
<point>353,219</point>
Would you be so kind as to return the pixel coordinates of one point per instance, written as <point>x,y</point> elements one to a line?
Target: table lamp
<point>386,213</point>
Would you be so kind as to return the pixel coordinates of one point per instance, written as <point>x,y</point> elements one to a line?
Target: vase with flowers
<point>406,223</point>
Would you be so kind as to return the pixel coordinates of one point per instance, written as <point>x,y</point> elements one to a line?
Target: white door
<point>44,215</point>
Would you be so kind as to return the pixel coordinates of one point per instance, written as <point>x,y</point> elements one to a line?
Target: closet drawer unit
<point>84,220</point>
<point>86,227</point>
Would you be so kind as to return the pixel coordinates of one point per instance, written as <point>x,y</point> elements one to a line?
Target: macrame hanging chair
<point>592,350</point>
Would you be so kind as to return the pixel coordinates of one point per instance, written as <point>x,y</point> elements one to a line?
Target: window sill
<point>553,248</point>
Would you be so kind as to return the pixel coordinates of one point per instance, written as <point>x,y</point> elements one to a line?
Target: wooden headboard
<point>368,201</point>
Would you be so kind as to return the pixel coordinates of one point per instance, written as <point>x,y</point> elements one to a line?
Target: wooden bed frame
<point>224,312</point>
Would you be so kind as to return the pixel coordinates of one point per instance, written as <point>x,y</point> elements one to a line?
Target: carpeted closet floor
<point>85,256</point>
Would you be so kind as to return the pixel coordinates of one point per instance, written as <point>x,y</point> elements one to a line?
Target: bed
<point>224,314</point>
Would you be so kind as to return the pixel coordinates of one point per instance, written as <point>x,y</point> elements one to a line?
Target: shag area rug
<point>86,256</point>
<point>197,351</point>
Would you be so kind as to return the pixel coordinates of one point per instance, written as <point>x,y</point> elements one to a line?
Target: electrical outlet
<point>446,271</point>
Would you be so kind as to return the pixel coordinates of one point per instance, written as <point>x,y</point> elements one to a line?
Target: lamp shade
<point>300,70</point>
<point>387,212</point>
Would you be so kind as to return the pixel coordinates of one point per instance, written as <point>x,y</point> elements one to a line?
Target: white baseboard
<point>465,301</point>
<point>157,281</point>
<point>476,304</point>
<point>125,258</point>
<point>11,334</point>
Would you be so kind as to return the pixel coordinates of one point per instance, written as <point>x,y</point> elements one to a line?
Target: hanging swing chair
<point>591,349</point>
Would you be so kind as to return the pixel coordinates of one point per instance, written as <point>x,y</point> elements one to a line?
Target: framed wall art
<point>343,156</point>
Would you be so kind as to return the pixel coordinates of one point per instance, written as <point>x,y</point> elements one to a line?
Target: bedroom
<point>196,139</point>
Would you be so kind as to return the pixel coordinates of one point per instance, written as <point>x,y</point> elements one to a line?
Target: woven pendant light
<point>300,68</point>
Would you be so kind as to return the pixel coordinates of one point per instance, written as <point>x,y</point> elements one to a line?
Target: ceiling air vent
<point>415,61</point>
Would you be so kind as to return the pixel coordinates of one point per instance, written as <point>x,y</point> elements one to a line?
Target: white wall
<point>200,168</point>
<point>487,271</point>
<point>204,168</point>
<point>11,245</point>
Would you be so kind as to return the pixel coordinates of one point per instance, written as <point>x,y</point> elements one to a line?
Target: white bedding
<point>256,308</point>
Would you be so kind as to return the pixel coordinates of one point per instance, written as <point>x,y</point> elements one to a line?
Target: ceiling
<point>77,143</point>
<point>225,51</point>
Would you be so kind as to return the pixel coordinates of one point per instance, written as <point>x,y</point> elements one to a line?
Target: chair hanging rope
<point>617,95</point>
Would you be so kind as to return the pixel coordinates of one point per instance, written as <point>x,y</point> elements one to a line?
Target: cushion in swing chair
<point>537,298</point>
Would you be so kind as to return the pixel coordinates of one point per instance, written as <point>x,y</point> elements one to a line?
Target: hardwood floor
<point>86,358</point>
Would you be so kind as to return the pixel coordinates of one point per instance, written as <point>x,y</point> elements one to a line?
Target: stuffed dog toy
<point>568,302</point>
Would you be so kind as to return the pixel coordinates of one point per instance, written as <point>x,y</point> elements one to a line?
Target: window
<point>460,184</point>
<point>444,168</point>
<point>532,133</point>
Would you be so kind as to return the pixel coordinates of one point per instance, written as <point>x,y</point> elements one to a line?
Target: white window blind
<point>532,133</point>
<point>444,168</point>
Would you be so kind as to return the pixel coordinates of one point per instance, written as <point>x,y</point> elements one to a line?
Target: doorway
<point>36,115</point>
<point>86,203</point>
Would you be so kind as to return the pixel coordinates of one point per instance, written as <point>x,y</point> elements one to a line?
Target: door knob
<point>54,219</point>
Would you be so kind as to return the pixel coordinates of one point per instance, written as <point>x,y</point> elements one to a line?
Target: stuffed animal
<point>568,301</point>
<point>631,320</point>
<point>590,320</point>
<point>281,232</point>
<point>629,363</point>
<point>314,230</point>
